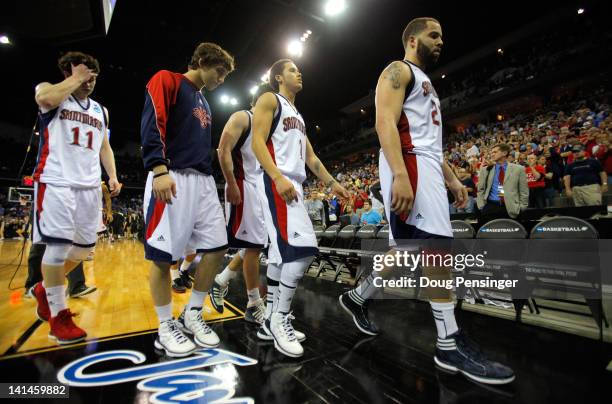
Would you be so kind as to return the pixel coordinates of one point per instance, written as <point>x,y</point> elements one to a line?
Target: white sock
<point>164,313</point>
<point>446,324</point>
<point>56,296</point>
<point>291,273</point>
<point>253,295</point>
<point>196,299</point>
<point>366,288</point>
<point>185,265</point>
<point>225,276</point>
<point>174,273</point>
<point>273,277</point>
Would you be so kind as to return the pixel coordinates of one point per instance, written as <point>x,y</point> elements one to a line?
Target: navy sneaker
<point>464,356</point>
<point>359,312</point>
<point>186,278</point>
<point>217,293</point>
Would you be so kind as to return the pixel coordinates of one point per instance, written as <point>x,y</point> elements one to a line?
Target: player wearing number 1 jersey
<point>282,148</point>
<point>73,142</point>
<point>413,175</point>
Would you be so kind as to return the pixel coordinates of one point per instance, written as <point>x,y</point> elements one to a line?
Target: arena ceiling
<point>341,62</point>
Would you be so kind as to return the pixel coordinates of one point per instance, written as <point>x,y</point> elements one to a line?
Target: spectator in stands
<point>535,181</point>
<point>350,216</point>
<point>471,150</point>
<point>369,216</point>
<point>585,179</point>
<point>502,186</point>
<point>549,188</point>
<point>466,179</point>
<point>315,209</point>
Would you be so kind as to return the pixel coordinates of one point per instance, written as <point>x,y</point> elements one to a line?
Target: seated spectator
<point>369,216</point>
<point>585,179</point>
<point>350,216</point>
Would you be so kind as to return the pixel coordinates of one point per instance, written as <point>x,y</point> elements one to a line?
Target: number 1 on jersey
<point>75,140</point>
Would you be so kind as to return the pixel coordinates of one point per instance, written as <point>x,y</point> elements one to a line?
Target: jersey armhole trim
<point>410,86</point>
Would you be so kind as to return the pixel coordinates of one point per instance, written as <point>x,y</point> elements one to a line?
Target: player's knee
<point>55,254</point>
<point>78,254</point>
<point>298,267</point>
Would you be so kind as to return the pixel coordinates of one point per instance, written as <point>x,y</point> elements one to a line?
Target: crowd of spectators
<point>555,145</point>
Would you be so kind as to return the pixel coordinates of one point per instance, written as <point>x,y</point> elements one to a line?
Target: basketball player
<point>283,150</point>
<point>412,176</point>
<point>181,205</point>
<point>246,228</point>
<point>67,184</point>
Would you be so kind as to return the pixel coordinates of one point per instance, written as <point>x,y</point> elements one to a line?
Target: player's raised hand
<point>286,189</point>
<point>340,191</point>
<point>232,195</point>
<point>402,196</point>
<point>82,73</point>
<point>164,188</point>
<point>114,186</point>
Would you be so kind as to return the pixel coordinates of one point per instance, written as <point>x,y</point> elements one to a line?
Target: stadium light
<point>233,101</point>
<point>308,31</point>
<point>580,10</point>
<point>444,76</point>
<point>335,7</point>
<point>266,77</point>
<point>224,99</point>
<point>253,90</point>
<point>295,48</point>
<point>4,40</point>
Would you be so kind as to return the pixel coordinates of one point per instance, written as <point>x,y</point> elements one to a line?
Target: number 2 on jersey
<point>75,140</point>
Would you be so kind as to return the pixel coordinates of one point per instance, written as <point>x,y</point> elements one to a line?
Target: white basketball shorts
<point>66,214</point>
<point>289,227</point>
<point>195,218</point>
<point>246,227</point>
<point>429,217</point>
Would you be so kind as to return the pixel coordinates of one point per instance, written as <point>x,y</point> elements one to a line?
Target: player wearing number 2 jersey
<point>413,175</point>
<point>73,142</point>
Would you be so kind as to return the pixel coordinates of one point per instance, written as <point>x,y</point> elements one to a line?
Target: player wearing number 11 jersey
<point>68,198</point>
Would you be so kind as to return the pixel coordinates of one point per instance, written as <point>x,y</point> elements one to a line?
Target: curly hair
<point>211,55</point>
<point>68,59</point>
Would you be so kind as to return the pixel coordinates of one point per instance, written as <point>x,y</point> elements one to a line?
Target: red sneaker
<point>42,310</point>
<point>63,329</point>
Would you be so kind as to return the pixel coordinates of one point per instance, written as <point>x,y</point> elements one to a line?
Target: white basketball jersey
<point>246,165</point>
<point>70,141</point>
<point>420,124</point>
<point>287,140</point>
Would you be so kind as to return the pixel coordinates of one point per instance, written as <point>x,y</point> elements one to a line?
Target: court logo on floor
<point>173,381</point>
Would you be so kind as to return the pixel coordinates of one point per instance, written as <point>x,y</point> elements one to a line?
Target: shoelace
<point>175,332</point>
<point>288,327</point>
<point>220,292</point>
<point>201,324</point>
<point>260,312</point>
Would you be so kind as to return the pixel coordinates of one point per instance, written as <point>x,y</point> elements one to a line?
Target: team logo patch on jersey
<point>203,116</point>
<point>96,108</point>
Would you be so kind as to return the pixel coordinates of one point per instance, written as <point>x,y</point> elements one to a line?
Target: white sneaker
<point>285,340</point>
<point>263,333</point>
<point>172,340</point>
<point>191,322</point>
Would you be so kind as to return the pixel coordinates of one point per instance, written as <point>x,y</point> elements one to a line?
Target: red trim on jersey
<point>163,88</point>
<point>40,196</point>
<point>43,155</point>
<point>403,127</point>
<point>410,160</point>
<point>238,210</point>
<point>279,202</point>
<point>158,211</point>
